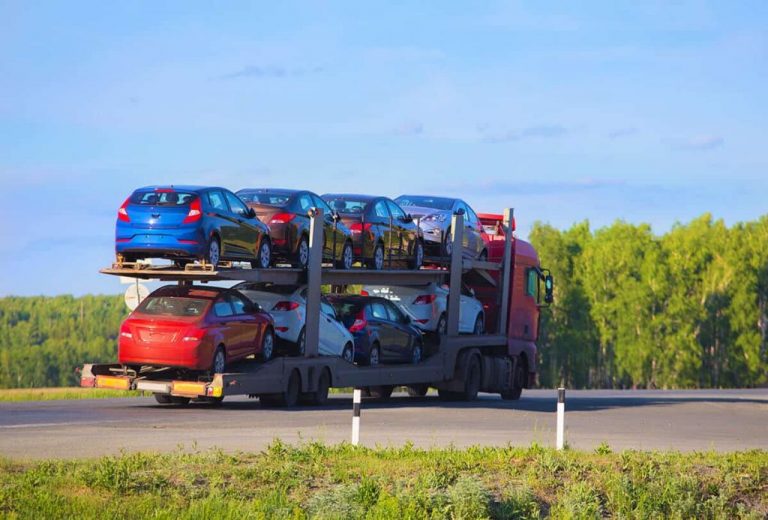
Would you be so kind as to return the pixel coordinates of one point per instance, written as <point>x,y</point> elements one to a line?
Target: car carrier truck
<point>502,360</point>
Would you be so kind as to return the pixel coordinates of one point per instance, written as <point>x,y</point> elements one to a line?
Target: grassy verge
<point>340,482</point>
<point>53,394</point>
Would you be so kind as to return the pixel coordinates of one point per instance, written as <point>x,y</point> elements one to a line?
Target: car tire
<point>418,255</point>
<point>483,256</point>
<point>213,251</point>
<point>267,346</point>
<point>448,243</point>
<point>302,253</point>
<point>301,343</point>
<point>347,257</point>
<point>348,354</point>
<point>418,390</point>
<point>377,262</point>
<point>263,255</point>
<point>417,354</point>
<point>374,358</point>
<point>219,361</point>
<point>442,326</point>
<point>479,329</point>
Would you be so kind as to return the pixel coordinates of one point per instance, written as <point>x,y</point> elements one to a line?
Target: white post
<point>356,398</point>
<point>560,418</point>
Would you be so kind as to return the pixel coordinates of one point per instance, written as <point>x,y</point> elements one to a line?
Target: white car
<point>427,306</point>
<point>287,306</point>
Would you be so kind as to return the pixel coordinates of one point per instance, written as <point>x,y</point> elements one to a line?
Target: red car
<point>195,328</point>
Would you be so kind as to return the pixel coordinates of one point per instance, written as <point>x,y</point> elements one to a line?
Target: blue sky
<point>644,111</point>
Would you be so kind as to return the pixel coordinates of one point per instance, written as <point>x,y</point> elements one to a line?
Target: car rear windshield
<point>348,206</point>
<point>173,306</point>
<point>272,199</point>
<point>346,311</point>
<point>162,198</point>
<point>426,202</point>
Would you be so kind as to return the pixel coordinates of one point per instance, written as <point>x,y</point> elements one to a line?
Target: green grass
<point>345,482</point>
<point>53,394</point>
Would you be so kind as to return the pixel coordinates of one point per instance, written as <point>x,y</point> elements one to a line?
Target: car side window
<point>472,217</point>
<point>222,308</point>
<point>394,313</point>
<point>395,210</point>
<point>380,209</point>
<point>238,304</point>
<point>305,203</point>
<point>236,205</point>
<point>217,201</point>
<point>320,203</point>
<point>327,310</point>
<point>378,311</point>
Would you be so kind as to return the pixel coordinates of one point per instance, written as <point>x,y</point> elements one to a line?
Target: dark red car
<point>196,328</point>
<point>286,214</point>
<point>382,233</point>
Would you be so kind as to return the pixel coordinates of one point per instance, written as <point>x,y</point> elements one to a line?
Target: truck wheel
<point>518,381</point>
<point>473,381</point>
<point>267,345</point>
<point>347,257</point>
<point>479,326</point>
<point>180,401</point>
<point>288,397</point>
<point>377,262</point>
<point>418,390</point>
<point>320,396</point>
<point>163,398</point>
<point>418,255</point>
<point>448,395</point>
<point>381,392</point>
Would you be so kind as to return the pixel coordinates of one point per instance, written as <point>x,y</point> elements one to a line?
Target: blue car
<point>187,223</point>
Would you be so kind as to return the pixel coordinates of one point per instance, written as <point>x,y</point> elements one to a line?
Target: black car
<point>383,334</point>
<point>435,214</point>
<point>286,214</point>
<point>382,233</point>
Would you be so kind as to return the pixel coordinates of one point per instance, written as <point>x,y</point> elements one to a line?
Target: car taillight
<point>125,331</point>
<point>193,335</point>
<point>359,227</point>
<point>359,325</point>
<point>122,212</point>
<point>364,293</point>
<point>195,212</point>
<point>425,299</point>
<point>282,218</point>
<point>285,306</point>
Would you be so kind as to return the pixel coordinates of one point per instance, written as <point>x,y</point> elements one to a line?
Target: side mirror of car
<point>257,307</point>
<point>251,213</point>
<point>460,211</point>
<point>408,218</point>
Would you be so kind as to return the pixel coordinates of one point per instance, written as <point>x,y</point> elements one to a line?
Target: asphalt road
<point>722,420</point>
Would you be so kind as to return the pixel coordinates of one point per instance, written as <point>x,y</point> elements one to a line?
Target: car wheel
<point>479,326</point>
<point>264,257</point>
<point>374,358</point>
<point>180,264</point>
<point>442,325</point>
<point>219,361</point>
<point>416,354</point>
<point>418,255</point>
<point>213,255</point>
<point>301,343</point>
<point>163,398</point>
<point>448,243</point>
<point>267,345</point>
<point>483,256</point>
<point>347,257</point>
<point>418,390</point>
<point>302,253</point>
<point>377,262</point>
<point>348,354</point>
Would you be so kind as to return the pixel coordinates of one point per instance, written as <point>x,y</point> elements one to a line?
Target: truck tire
<point>418,390</point>
<point>288,397</point>
<point>180,401</point>
<point>163,398</point>
<point>518,382</point>
<point>472,383</point>
<point>320,396</point>
<point>381,392</point>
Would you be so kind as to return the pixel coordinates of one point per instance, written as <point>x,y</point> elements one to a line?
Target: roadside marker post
<point>560,418</point>
<point>356,399</point>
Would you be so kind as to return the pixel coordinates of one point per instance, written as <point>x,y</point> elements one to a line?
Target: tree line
<point>687,309</point>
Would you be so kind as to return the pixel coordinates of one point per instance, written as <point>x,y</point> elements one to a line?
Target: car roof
<point>454,199</point>
<point>353,196</point>
<point>179,187</point>
<point>283,191</point>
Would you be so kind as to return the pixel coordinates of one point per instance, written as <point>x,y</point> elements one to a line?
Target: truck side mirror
<point>549,286</point>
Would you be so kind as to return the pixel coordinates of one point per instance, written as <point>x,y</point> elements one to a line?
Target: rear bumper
<point>189,357</point>
<point>184,242</point>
